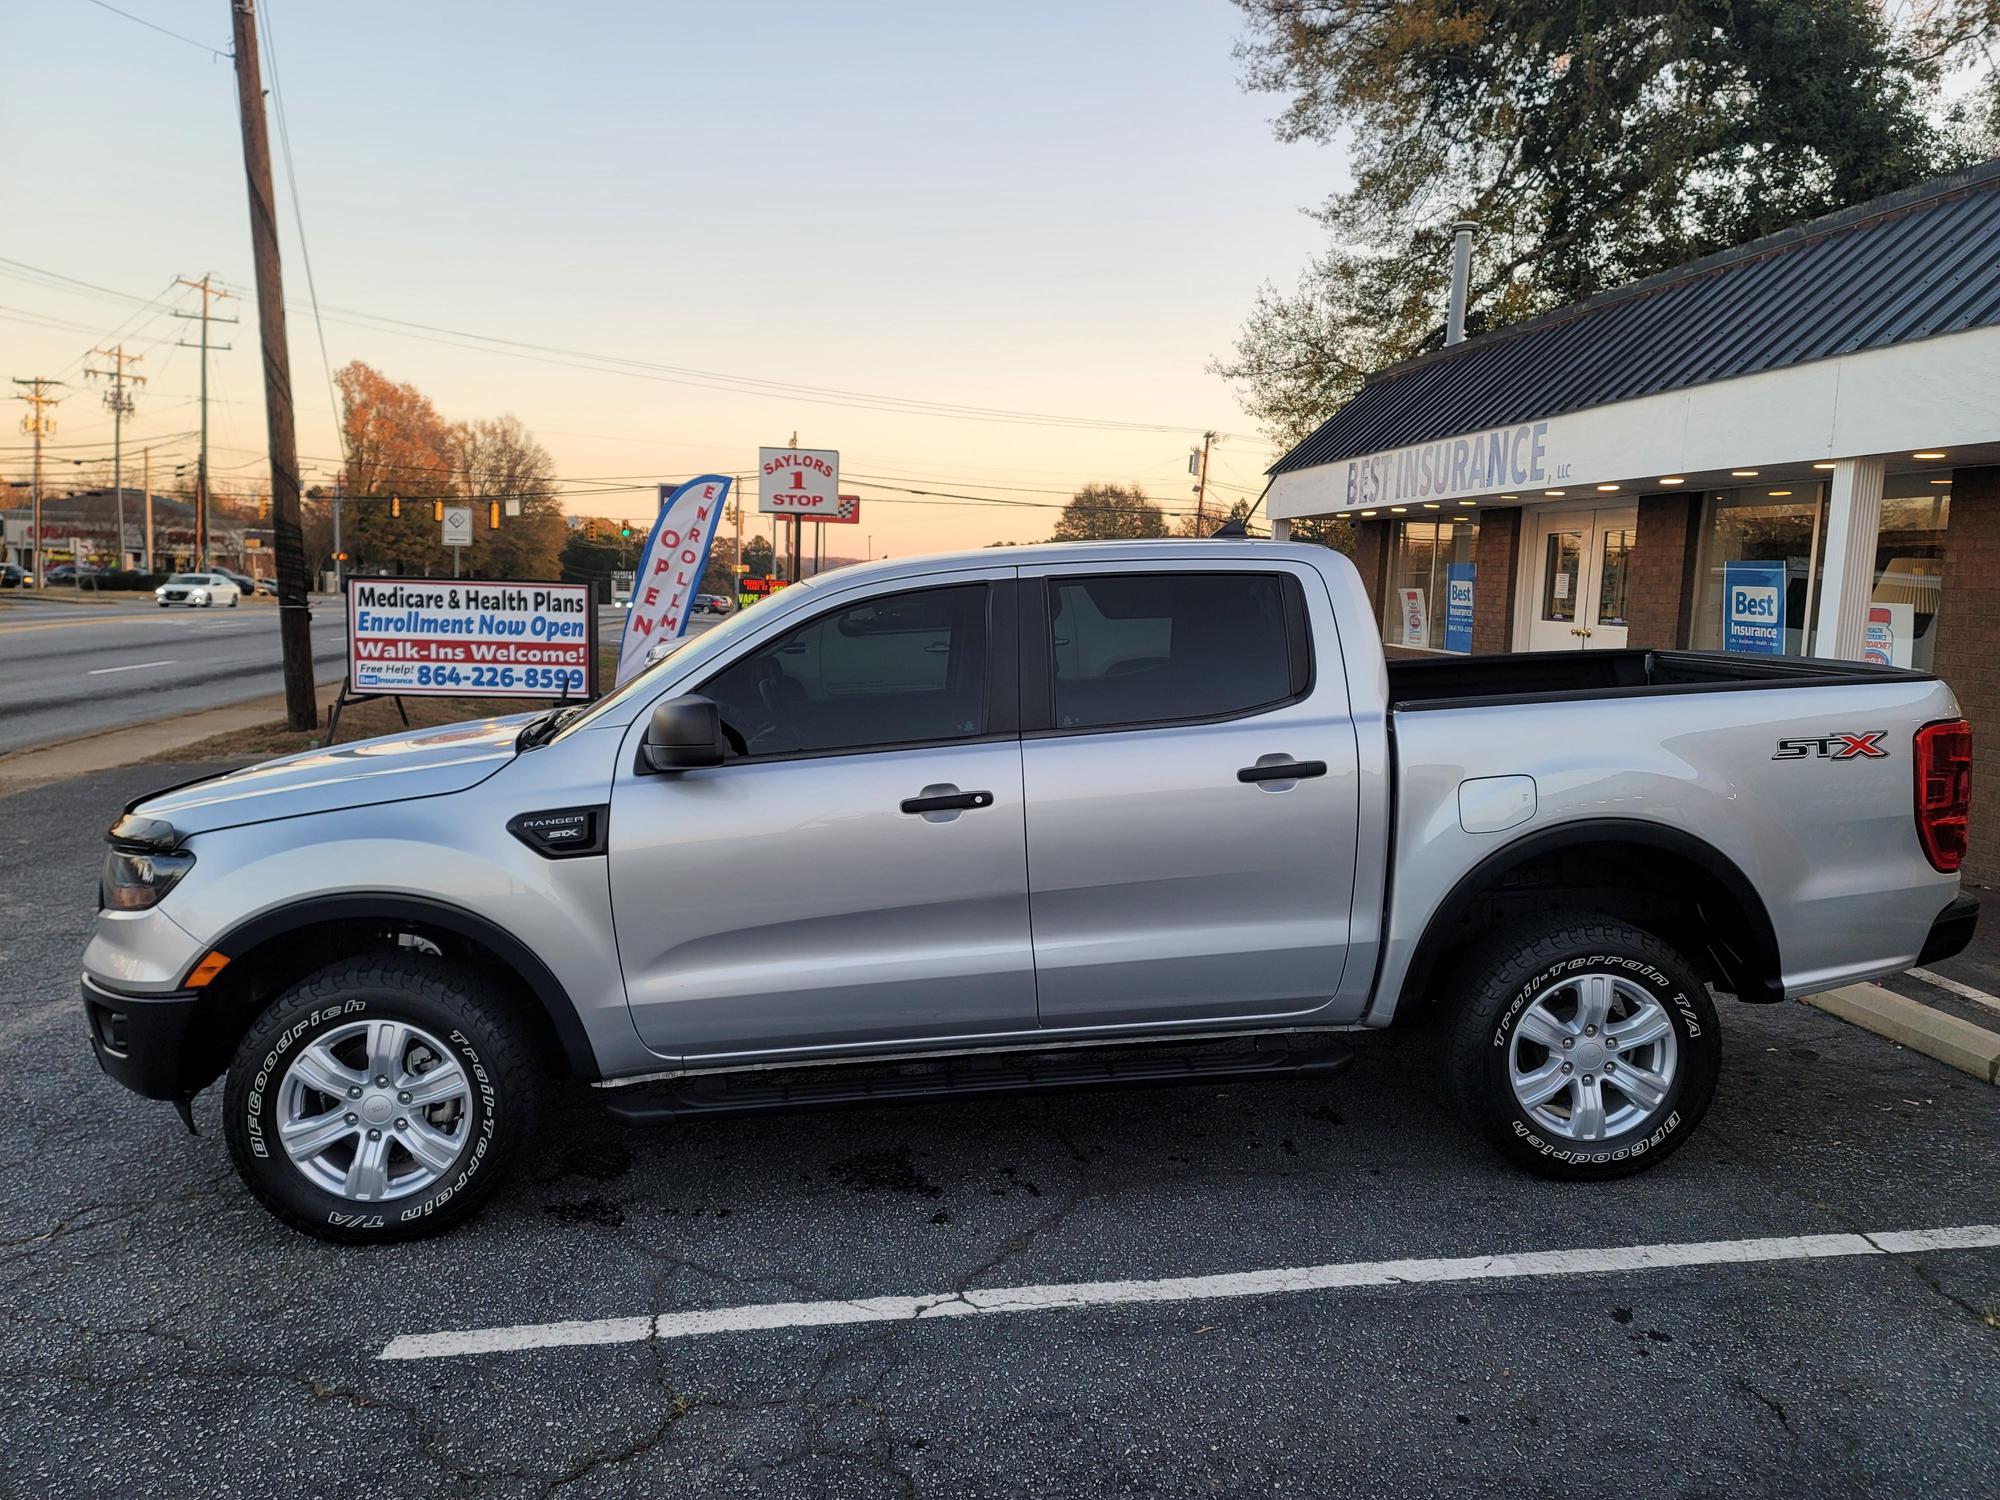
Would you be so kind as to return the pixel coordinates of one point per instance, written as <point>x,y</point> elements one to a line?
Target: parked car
<point>711,604</point>
<point>1161,793</point>
<point>198,590</point>
<point>245,584</point>
<point>13,576</point>
<point>73,573</point>
<point>268,586</point>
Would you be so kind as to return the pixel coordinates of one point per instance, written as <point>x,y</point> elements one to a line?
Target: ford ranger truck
<point>1068,816</point>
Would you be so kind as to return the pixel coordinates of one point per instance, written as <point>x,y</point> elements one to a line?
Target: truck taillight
<point>1944,791</point>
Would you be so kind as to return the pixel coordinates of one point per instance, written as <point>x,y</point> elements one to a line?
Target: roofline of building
<point>1954,185</point>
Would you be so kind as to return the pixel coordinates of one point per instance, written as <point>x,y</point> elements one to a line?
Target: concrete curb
<point>1970,1049</point>
<point>128,744</point>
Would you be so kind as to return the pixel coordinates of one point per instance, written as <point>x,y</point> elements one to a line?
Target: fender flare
<point>540,980</point>
<point>1757,973</point>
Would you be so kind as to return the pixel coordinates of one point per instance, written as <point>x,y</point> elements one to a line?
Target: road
<point>167,1337</point>
<point>67,670</point>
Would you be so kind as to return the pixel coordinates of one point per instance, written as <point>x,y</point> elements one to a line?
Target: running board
<point>857,1085</point>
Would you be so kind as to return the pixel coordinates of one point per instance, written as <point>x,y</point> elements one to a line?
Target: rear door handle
<point>947,802</point>
<point>1284,770</point>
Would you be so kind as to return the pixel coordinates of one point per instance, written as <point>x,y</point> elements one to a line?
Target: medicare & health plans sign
<point>470,638</point>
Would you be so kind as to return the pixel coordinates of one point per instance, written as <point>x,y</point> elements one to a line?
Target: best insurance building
<point>1792,447</point>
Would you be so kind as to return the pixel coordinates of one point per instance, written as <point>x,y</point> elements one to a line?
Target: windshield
<point>643,683</point>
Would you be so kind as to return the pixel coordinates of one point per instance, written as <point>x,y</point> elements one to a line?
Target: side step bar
<point>858,1085</point>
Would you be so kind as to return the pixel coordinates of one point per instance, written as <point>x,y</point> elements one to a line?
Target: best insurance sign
<point>470,638</point>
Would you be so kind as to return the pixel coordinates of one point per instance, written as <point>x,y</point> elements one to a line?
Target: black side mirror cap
<point>683,735</point>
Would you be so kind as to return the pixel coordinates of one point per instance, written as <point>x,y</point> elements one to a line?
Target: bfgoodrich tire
<point>381,1099</point>
<point>1582,1048</point>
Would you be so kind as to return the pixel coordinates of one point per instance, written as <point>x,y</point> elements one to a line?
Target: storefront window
<point>1432,580</point>
<point>1783,532</point>
<point>1901,629</point>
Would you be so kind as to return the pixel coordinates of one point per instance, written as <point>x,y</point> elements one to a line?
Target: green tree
<point>1104,512</point>
<point>1592,142</point>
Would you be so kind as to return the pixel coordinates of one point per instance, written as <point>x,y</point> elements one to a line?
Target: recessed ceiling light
<point>1673,479</point>
<point>1826,466</point>
<point>1368,513</point>
<point>1606,489</point>
<point>1780,492</point>
<point>1430,505</point>
<point>1940,481</point>
<point>1397,510</point>
<point>1552,492</point>
<point>1927,455</point>
<point>1503,497</point>
<point>1743,473</point>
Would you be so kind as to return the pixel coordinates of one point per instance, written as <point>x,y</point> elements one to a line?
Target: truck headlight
<point>134,881</point>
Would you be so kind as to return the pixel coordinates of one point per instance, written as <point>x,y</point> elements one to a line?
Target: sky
<point>730,222</point>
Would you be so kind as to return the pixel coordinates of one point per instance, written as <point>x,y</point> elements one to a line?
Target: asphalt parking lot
<point>166,1337</point>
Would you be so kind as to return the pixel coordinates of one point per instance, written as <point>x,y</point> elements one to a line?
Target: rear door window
<point>1162,648</point>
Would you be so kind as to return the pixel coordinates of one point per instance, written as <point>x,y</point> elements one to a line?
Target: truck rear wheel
<point>1582,1048</point>
<point>381,1099</point>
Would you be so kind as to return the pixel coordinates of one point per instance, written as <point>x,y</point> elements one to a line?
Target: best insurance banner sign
<point>670,569</point>
<point>470,638</point>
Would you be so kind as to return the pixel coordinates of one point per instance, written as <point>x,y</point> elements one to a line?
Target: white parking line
<point>134,667</point>
<point>759,1317</point>
<point>1963,991</point>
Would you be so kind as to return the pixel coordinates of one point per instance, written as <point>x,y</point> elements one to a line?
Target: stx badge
<point>1867,744</point>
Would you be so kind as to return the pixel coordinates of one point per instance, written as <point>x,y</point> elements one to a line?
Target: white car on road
<point>200,590</point>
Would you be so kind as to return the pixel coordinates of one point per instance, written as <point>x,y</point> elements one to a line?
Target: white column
<point>1281,529</point>
<point>1853,522</point>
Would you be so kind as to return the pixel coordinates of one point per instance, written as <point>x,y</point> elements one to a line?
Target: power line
<point>153,26</point>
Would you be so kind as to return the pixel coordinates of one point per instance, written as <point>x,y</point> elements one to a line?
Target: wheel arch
<point>1668,881</point>
<point>274,948</point>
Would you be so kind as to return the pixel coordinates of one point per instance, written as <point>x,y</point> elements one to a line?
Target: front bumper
<point>141,1040</point>
<point>1951,931</point>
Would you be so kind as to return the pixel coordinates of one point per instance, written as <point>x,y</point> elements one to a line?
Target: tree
<point>497,458</point>
<point>396,445</point>
<point>757,556</point>
<point>1101,512</point>
<point>1592,142</point>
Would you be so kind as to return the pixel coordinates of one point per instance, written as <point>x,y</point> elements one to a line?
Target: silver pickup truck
<point>1058,817</point>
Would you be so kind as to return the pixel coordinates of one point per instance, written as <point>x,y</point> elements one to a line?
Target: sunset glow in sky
<point>1041,208</point>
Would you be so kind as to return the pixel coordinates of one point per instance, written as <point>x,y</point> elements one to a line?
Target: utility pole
<point>120,402</point>
<point>40,424</point>
<point>208,294</point>
<point>287,535</point>
<point>147,485</point>
<point>1201,485</point>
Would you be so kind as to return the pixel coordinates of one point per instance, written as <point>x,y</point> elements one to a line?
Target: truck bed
<point>1559,676</point>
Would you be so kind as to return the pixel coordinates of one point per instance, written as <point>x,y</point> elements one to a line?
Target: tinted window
<point>902,669</point>
<point>1151,648</point>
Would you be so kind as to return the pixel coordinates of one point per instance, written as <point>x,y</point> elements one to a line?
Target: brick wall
<point>1371,559</point>
<point>1498,555</point>
<point>1968,657</point>
<point>1661,588</point>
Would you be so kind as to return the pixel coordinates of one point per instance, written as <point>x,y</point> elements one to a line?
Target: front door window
<point>1562,573</point>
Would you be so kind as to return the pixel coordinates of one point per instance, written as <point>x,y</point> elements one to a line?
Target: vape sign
<point>799,482</point>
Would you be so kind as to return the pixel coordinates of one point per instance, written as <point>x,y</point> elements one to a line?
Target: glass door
<point>1582,583</point>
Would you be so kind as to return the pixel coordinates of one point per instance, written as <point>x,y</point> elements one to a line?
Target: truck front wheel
<point>380,1099</point>
<point>1582,1048</point>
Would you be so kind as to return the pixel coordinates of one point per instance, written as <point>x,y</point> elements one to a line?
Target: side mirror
<point>683,733</point>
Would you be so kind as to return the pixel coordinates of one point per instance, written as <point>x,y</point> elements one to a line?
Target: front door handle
<point>1283,770</point>
<point>947,802</point>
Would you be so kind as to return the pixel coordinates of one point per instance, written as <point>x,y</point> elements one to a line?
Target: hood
<point>421,763</point>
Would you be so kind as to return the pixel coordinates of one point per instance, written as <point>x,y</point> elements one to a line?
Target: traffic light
<point>396,505</point>
<point>340,557</point>
<point>437,510</point>
<point>493,514</point>
<point>625,532</point>
<point>263,507</point>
